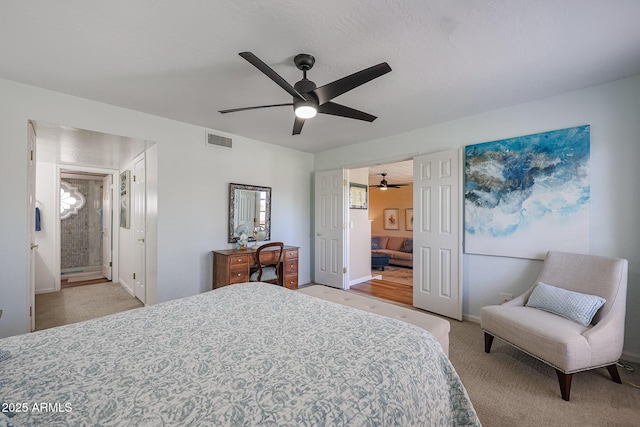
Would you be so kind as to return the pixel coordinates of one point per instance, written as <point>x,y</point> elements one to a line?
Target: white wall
<point>46,238</point>
<point>613,111</point>
<point>126,238</point>
<point>192,191</point>
<point>359,268</point>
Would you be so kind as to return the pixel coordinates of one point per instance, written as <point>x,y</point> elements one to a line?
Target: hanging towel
<point>38,228</point>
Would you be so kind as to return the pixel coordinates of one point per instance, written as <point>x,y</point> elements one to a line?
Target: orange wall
<point>400,198</point>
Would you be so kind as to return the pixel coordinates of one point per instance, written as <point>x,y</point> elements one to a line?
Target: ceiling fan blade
<point>233,110</point>
<point>268,71</point>
<point>297,126</point>
<point>331,90</point>
<point>340,110</point>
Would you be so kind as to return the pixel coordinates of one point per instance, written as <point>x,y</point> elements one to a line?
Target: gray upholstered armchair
<point>564,344</point>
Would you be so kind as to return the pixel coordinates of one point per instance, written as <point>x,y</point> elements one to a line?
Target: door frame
<point>115,220</point>
<point>138,224</point>
<point>460,225</point>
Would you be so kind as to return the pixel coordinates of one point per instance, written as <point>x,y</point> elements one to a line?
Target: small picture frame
<point>357,196</point>
<point>125,199</point>
<point>408,219</point>
<point>391,220</point>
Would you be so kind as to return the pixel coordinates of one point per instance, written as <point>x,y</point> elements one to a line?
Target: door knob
<point>318,234</point>
<point>34,246</point>
<point>140,240</point>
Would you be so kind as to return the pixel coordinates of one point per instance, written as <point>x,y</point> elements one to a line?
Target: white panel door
<point>437,247</point>
<point>107,206</point>
<point>139,226</point>
<point>31,183</point>
<point>330,228</point>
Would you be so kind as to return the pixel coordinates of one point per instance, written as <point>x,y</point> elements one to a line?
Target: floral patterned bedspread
<point>243,355</point>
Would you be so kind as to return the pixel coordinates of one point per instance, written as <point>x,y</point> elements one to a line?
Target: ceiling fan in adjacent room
<point>308,100</point>
<point>384,184</point>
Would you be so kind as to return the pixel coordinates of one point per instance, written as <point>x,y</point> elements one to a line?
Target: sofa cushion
<point>395,243</point>
<point>402,255</point>
<point>556,340</point>
<point>383,242</point>
<point>407,246</point>
<point>382,252</point>
<point>375,243</point>
<point>572,305</point>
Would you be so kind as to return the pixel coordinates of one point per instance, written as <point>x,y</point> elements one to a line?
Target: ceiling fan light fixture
<point>305,110</point>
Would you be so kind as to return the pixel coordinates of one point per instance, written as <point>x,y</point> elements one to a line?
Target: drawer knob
<point>239,274</point>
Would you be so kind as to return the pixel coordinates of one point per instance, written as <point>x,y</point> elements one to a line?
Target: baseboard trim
<point>630,357</point>
<point>127,288</point>
<point>470,318</point>
<point>45,291</point>
<point>360,280</point>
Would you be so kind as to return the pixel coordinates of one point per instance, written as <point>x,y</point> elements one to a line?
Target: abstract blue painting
<point>527,195</point>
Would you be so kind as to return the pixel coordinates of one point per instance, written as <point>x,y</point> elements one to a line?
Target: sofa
<point>398,249</point>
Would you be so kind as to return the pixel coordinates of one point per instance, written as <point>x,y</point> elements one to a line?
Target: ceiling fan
<point>308,100</point>
<point>384,184</point>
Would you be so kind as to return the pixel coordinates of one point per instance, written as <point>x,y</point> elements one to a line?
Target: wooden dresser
<point>232,266</point>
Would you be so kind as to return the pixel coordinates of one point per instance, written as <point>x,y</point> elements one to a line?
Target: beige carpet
<point>76,304</point>
<point>392,273</point>
<point>510,388</point>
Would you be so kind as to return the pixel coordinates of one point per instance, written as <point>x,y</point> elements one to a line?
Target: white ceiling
<point>69,146</point>
<point>450,58</point>
<point>397,173</point>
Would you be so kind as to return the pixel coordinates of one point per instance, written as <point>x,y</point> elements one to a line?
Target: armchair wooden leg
<point>613,371</point>
<point>565,384</point>
<point>488,340</point>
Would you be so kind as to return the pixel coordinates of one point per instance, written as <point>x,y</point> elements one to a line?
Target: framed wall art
<point>528,195</point>
<point>358,196</point>
<point>125,198</point>
<point>391,219</point>
<point>408,219</point>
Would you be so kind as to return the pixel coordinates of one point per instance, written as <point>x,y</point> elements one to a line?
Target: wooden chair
<point>267,268</point>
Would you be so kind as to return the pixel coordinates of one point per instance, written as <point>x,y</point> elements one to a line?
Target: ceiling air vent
<point>219,141</point>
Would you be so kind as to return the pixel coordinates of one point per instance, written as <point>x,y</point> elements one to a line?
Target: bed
<point>247,354</point>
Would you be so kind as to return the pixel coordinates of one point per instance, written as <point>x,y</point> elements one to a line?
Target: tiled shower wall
<point>81,234</point>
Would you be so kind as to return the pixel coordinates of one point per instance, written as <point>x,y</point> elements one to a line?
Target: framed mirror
<point>249,206</point>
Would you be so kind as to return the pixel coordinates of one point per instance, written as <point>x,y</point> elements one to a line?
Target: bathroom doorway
<point>85,225</point>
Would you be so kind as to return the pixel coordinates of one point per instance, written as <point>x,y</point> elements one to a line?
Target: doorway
<point>84,225</point>
<point>436,243</point>
<point>390,189</point>
<point>73,157</point>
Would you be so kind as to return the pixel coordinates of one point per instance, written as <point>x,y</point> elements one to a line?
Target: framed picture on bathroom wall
<point>391,221</point>
<point>125,199</point>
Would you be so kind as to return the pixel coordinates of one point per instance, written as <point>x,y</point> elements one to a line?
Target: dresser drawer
<point>239,274</point>
<point>291,254</point>
<point>290,266</point>
<point>290,282</point>
<point>242,260</point>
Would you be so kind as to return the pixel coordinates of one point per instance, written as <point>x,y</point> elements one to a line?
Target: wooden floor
<point>396,292</point>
